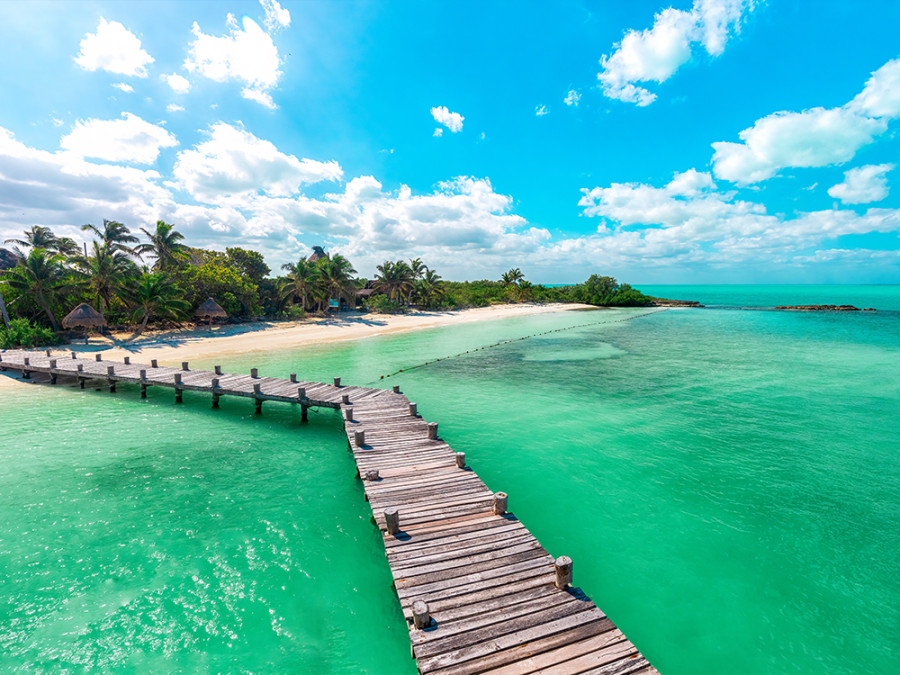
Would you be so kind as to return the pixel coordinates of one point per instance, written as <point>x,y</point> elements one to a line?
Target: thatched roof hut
<point>317,254</point>
<point>209,309</point>
<point>84,316</point>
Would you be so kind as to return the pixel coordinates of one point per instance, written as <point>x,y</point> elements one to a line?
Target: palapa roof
<point>317,254</point>
<point>85,316</point>
<point>210,308</point>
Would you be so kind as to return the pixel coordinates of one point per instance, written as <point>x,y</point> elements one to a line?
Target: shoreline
<point>198,343</point>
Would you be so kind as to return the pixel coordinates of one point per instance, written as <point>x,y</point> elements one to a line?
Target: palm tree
<point>394,279</point>
<point>335,278</point>
<point>106,272</point>
<point>114,235</point>
<point>513,277</point>
<point>37,237</point>
<point>67,247</point>
<point>42,276</point>
<point>430,288</point>
<point>165,245</point>
<point>153,295</point>
<point>300,282</point>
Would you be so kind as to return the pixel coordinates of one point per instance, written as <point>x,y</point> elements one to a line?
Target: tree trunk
<point>143,324</point>
<point>3,311</point>
<point>46,308</point>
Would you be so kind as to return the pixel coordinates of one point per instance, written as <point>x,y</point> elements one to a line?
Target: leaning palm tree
<point>165,245</point>
<point>335,278</point>
<point>301,279</point>
<point>394,279</point>
<point>36,237</point>
<point>115,236</point>
<point>42,276</point>
<point>153,295</point>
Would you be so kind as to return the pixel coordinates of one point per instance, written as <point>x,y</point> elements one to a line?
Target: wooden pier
<point>479,592</point>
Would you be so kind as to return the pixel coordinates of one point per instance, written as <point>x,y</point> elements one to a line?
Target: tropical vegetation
<point>153,277</point>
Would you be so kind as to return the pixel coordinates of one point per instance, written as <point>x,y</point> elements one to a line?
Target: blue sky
<point>724,141</point>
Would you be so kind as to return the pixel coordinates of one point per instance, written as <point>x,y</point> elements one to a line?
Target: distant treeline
<point>154,278</point>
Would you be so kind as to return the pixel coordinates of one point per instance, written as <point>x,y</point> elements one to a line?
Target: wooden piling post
<point>413,410</point>
<point>432,430</point>
<point>337,382</point>
<point>301,392</point>
<point>215,395</point>
<point>143,377</point>
<point>218,370</point>
<point>372,475</point>
<point>48,351</point>
<point>73,356</point>
<point>392,520</point>
<point>396,388</point>
<point>110,371</point>
<point>80,369</point>
<point>179,394</point>
<point>127,360</point>
<point>294,377</point>
<point>153,363</point>
<point>184,365</point>
<point>563,566</point>
<point>359,437</point>
<point>97,357</point>
<point>256,392</point>
<point>500,502</point>
<point>254,373</point>
<point>348,414</point>
<point>52,374</point>
<point>461,460</point>
<point>421,614</point>
<point>345,399</point>
<point>26,374</point>
<point>304,413</point>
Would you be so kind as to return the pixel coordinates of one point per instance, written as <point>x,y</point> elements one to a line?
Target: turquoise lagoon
<point>727,482</point>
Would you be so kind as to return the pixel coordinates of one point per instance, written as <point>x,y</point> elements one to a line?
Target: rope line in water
<point>518,339</point>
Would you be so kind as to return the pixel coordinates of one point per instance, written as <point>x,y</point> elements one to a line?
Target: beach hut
<point>317,254</point>
<point>84,316</point>
<point>209,309</point>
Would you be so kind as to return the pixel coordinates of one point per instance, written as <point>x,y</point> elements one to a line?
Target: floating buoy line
<point>518,339</point>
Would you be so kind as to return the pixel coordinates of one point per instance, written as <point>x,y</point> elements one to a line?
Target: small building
<point>317,254</point>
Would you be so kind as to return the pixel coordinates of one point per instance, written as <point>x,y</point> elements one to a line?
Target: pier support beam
<point>110,371</point>
<point>215,395</point>
<point>563,566</point>
<point>52,374</point>
<point>179,394</point>
<point>143,376</point>
<point>26,374</point>
<point>256,392</point>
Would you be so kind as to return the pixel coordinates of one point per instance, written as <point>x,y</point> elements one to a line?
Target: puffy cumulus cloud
<point>862,185</point>
<point>235,163</point>
<point>452,120</point>
<point>690,222</point>
<point>129,139</point>
<point>247,54</point>
<point>115,49</point>
<point>127,88</point>
<point>276,16</point>
<point>654,54</point>
<point>811,138</point>
<point>179,84</point>
<point>572,98</point>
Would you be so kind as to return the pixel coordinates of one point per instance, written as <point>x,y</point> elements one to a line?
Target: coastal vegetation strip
<point>478,591</point>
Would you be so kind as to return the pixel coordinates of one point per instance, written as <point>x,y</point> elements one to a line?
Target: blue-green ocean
<point>726,480</point>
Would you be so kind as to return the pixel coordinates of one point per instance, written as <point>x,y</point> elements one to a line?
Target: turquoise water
<point>726,481</point>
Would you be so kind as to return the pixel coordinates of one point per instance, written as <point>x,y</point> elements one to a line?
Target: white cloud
<point>453,121</point>
<point>572,98</point>
<point>438,132</point>
<point>276,16</point>
<point>541,110</point>
<point>235,163</point>
<point>56,121</point>
<point>115,49</point>
<point>127,88</point>
<point>814,137</point>
<point>654,54</point>
<point>862,185</point>
<point>174,107</point>
<point>129,139</point>
<point>179,84</point>
<point>246,55</point>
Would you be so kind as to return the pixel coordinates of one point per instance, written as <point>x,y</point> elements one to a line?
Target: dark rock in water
<point>664,302</point>
<point>825,308</point>
<point>8,259</point>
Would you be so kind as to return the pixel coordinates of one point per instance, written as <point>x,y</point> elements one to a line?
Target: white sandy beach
<point>171,347</point>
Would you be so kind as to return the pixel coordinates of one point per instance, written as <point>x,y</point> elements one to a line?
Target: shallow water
<point>727,482</point>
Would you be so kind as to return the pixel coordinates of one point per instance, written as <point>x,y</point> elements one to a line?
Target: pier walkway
<point>479,592</point>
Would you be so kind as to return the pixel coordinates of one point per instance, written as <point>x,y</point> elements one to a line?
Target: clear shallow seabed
<point>727,482</point>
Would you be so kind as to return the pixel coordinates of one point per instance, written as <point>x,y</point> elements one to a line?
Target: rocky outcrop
<point>8,259</point>
<point>826,308</point>
<point>664,302</point>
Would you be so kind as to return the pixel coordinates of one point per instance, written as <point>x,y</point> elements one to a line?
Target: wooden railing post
<point>563,566</point>
<point>396,388</point>
<point>461,460</point>
<point>432,430</point>
<point>359,437</point>
<point>413,410</point>
<point>337,382</point>
<point>500,503</point>
<point>392,520</point>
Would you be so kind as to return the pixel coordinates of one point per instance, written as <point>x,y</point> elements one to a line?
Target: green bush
<point>381,304</point>
<point>24,334</point>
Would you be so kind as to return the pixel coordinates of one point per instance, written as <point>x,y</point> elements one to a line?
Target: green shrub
<point>24,334</point>
<point>381,304</point>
